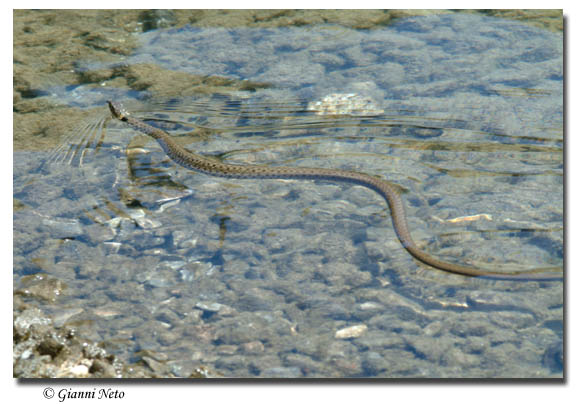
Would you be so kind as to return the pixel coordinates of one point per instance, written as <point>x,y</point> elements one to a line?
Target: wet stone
<point>253,347</point>
<point>346,367</point>
<point>405,308</point>
<point>434,329</point>
<point>348,104</point>
<point>472,327</point>
<point>168,338</point>
<point>430,348</point>
<point>157,279</point>
<point>374,363</point>
<point>256,299</point>
<point>109,248</point>
<point>184,239</point>
<point>243,329</point>
<point>103,368</point>
<point>281,372</point>
<point>380,251</point>
<point>186,275</point>
<point>502,336</point>
<point>42,351</point>
<point>313,346</point>
<point>553,357</point>
<point>62,228</point>
<point>235,363</point>
<point>182,367</point>
<point>200,268</point>
<point>365,311</point>
<point>125,228</point>
<point>24,243</point>
<point>280,240</point>
<point>457,358</point>
<point>503,354</point>
<point>211,307</point>
<point>81,370</point>
<point>61,316</point>
<point>146,241</point>
<point>171,265</point>
<point>344,275</point>
<point>514,320</point>
<point>340,349</point>
<point>354,331</point>
<point>371,306</point>
<point>391,323</point>
<point>167,316</point>
<point>375,341</point>
<point>159,368</point>
<point>31,318</point>
<point>64,269</point>
<point>307,365</point>
<point>98,233</point>
<point>494,300</point>
<point>475,345</point>
<point>227,349</point>
<point>41,286</point>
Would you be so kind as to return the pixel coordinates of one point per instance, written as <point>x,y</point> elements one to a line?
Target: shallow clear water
<point>255,277</point>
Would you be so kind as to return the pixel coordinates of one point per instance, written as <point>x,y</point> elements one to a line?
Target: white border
<point>394,392</point>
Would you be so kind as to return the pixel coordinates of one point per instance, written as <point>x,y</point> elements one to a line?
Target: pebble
<point>42,286</point>
<point>209,306</point>
<point>374,363</point>
<point>62,228</point>
<point>253,347</point>
<point>61,316</point>
<point>281,372</point>
<point>553,357</point>
<point>423,347</point>
<point>455,357</point>
<point>31,317</point>
<point>78,371</point>
<point>341,104</point>
<point>354,331</point>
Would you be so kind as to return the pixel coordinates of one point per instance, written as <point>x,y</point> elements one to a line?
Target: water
<point>255,277</point>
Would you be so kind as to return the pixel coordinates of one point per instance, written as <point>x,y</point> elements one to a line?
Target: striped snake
<point>214,167</point>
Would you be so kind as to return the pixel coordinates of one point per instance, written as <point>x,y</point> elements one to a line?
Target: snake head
<point>117,110</point>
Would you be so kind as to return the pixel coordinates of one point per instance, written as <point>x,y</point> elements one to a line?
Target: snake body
<point>214,167</point>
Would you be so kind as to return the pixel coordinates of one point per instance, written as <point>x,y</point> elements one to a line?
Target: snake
<point>214,167</point>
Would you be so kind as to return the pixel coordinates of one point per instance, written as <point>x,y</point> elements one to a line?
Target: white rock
<point>351,332</point>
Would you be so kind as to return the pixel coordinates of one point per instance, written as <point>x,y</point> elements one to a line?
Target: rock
<point>281,372</point>
<point>354,331</point>
<point>427,347</point>
<point>41,286</point>
<point>553,357</point>
<point>345,104</point>
<point>374,363</point>
<point>62,228</point>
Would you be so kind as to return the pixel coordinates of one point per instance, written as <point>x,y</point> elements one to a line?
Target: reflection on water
<point>264,277</point>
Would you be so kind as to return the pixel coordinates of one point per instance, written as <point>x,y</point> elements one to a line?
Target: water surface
<point>255,277</point>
